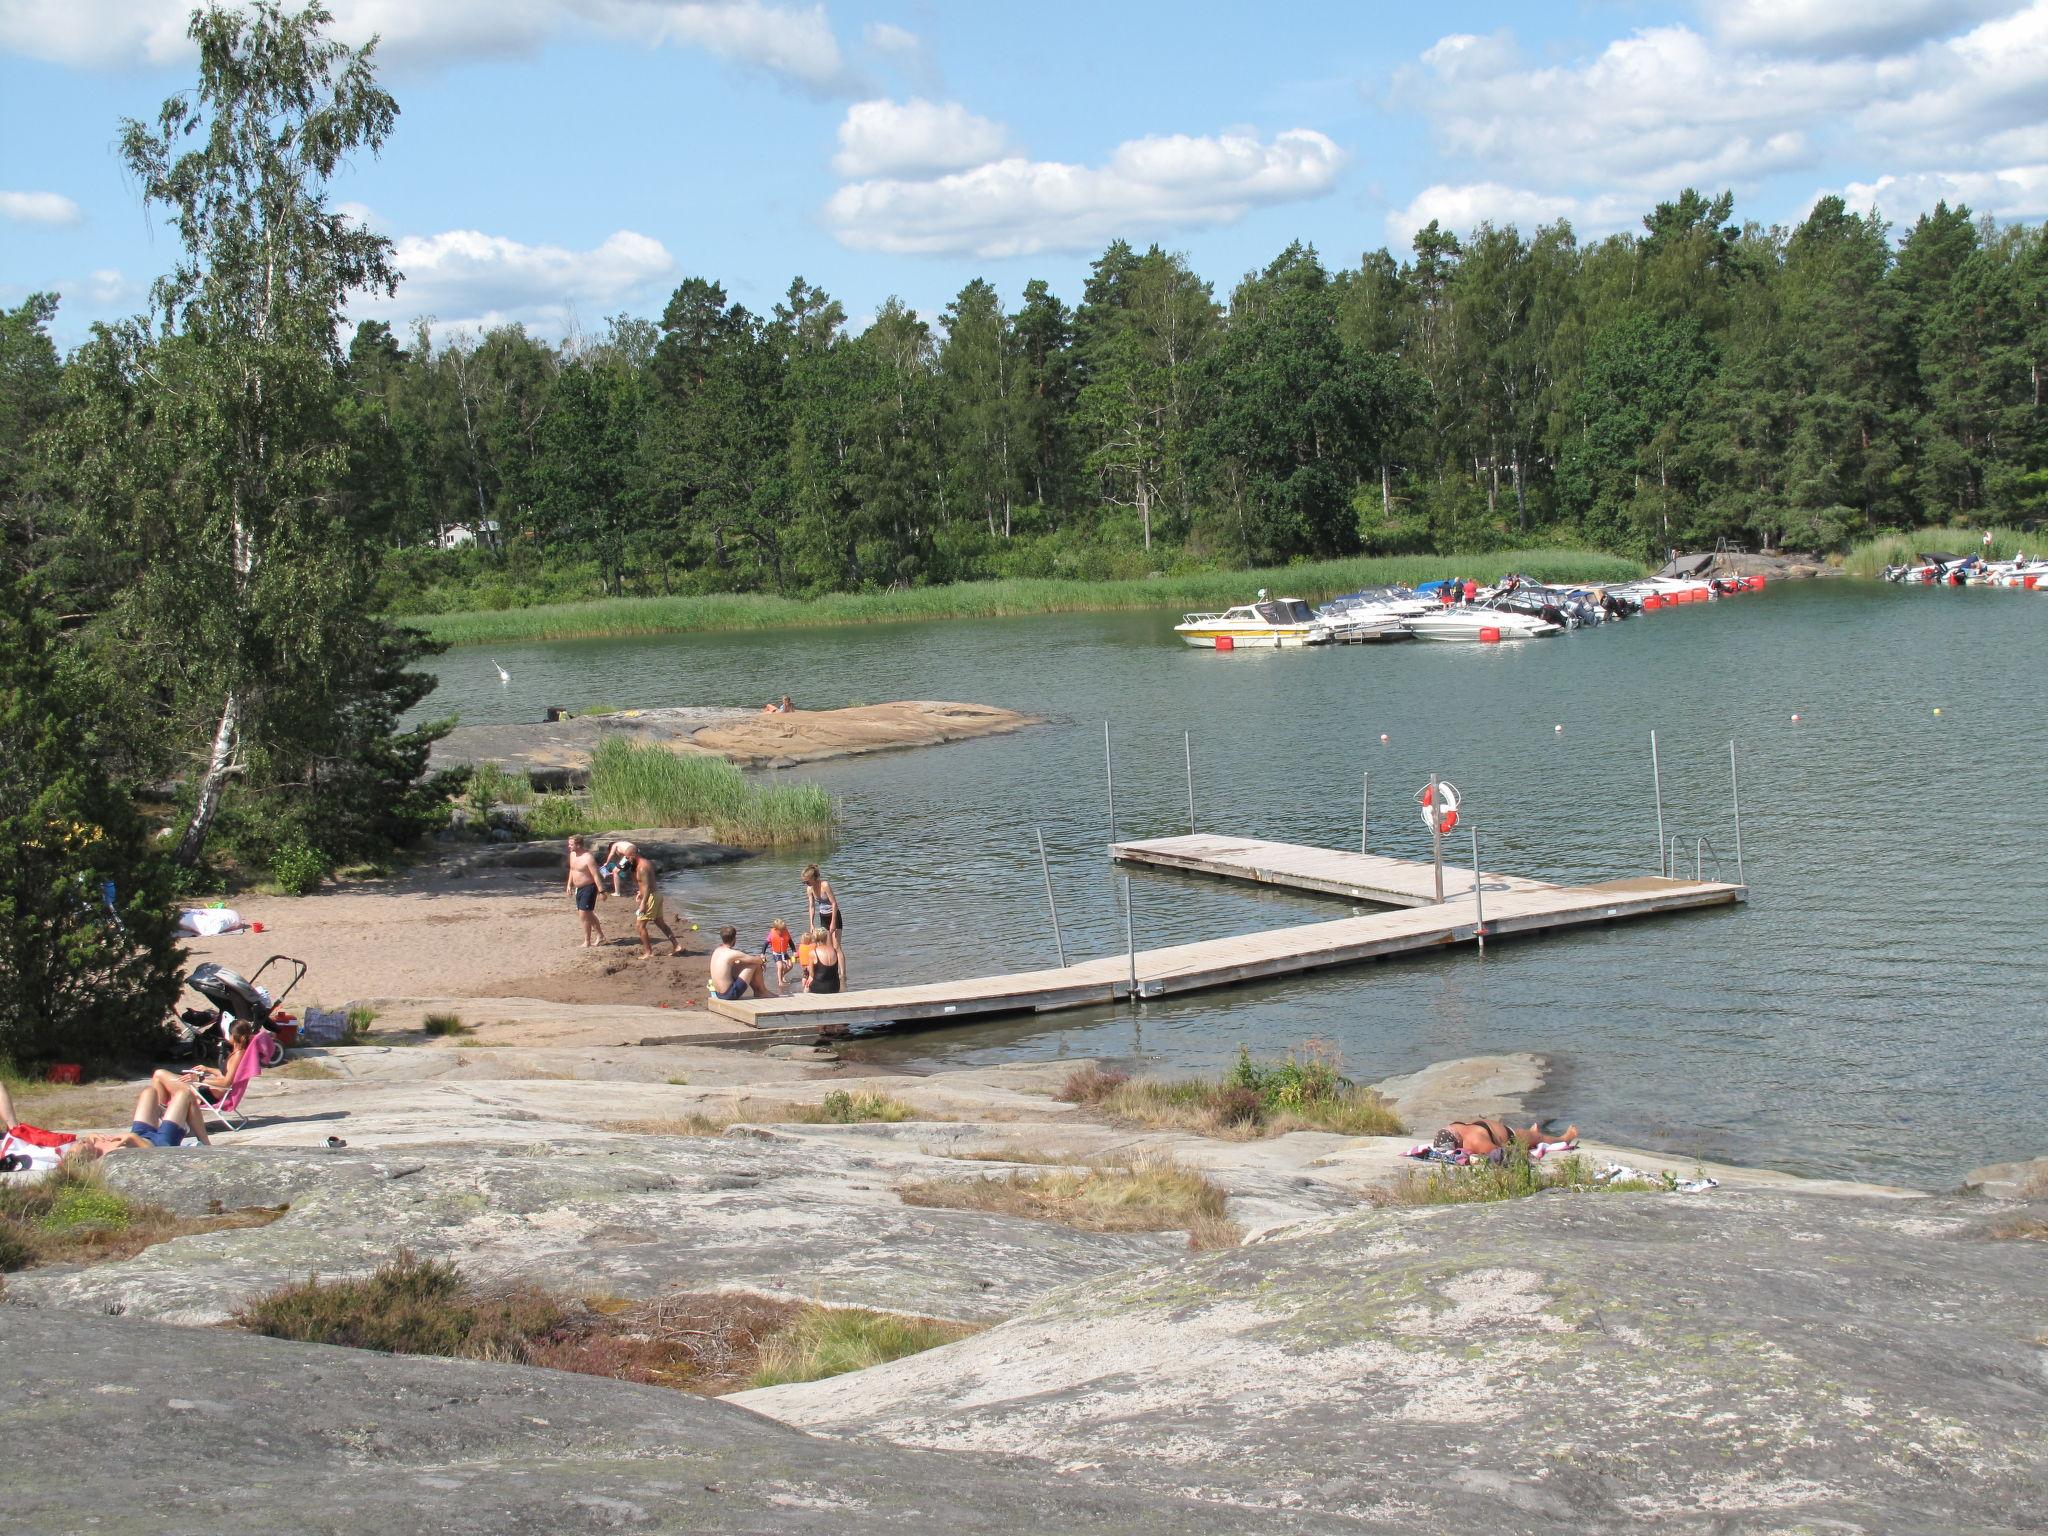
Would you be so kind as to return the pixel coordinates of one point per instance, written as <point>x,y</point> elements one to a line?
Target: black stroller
<point>230,996</point>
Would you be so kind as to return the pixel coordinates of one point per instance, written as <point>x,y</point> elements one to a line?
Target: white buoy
<point>1383,738</point>
<point>1795,719</point>
<point>503,675</point>
<point>1558,728</point>
<point>1937,709</point>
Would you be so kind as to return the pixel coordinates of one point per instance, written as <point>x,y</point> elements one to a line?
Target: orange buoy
<point>1225,643</point>
<point>1652,603</point>
<point>1489,636</point>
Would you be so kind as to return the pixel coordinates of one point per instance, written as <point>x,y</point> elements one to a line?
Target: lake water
<point>1876,1009</point>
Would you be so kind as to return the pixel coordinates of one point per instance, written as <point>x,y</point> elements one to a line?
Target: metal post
<point>1735,790</point>
<point>1130,943</point>
<point>1052,906</point>
<point>1699,861</point>
<point>1656,782</point>
<point>1436,837</point>
<point>1364,809</point>
<point>1478,900</point>
<point>1187,740</point>
<point>1109,774</point>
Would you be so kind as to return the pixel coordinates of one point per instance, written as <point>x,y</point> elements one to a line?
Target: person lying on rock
<point>154,1124</point>
<point>1484,1137</point>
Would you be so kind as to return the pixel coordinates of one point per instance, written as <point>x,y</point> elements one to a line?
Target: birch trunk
<point>220,764</point>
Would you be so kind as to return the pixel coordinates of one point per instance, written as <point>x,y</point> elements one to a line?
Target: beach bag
<point>323,1026</point>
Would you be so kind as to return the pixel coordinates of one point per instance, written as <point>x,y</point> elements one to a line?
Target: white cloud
<point>1952,99</point>
<point>883,138</point>
<point>1016,206</point>
<point>1463,208</point>
<point>39,208</point>
<point>466,279</point>
<point>794,43</point>
<point>2015,192</point>
<point>1840,26</point>
<point>887,37</point>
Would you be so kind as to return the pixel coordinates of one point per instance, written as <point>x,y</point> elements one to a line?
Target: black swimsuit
<point>824,978</point>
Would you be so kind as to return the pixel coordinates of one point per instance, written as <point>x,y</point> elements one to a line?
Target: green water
<point>1877,1008</point>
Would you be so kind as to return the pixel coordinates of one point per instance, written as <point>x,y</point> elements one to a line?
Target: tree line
<point>1701,379</point>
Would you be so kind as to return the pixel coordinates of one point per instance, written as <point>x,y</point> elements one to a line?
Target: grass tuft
<point>830,1341</point>
<point>445,1024</point>
<point>72,1217</point>
<point>1148,1195</point>
<point>643,784</point>
<point>1511,1179</point>
<point>837,1108</point>
<point>1306,1091</point>
<point>553,816</point>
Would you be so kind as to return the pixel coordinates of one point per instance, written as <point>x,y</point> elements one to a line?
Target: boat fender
<point>1489,636</point>
<point>1225,643</point>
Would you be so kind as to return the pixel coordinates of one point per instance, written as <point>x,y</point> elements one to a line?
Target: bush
<point>297,869</point>
<point>491,786</point>
<point>411,1306</point>
<point>556,816</point>
<point>82,978</point>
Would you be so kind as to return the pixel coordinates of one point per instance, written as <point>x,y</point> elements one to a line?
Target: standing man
<point>647,882</point>
<point>583,887</point>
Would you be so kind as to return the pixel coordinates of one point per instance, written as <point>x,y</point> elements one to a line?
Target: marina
<point>1473,910</point>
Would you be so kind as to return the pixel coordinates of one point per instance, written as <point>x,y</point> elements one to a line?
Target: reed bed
<point>1006,598</point>
<point>1869,558</point>
<point>641,784</point>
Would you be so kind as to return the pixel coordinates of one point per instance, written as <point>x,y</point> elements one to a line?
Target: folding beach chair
<point>264,1047</point>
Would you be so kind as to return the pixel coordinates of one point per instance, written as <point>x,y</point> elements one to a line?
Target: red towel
<point>36,1136</point>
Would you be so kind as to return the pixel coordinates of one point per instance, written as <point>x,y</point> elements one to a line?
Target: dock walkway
<point>1512,905</point>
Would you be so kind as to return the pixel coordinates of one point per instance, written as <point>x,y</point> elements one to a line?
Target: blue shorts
<point>735,992</point>
<point>586,898</point>
<point>168,1134</point>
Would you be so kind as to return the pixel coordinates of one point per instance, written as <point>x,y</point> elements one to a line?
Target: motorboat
<point>1479,625</point>
<point>1270,622</point>
<point>1373,615</point>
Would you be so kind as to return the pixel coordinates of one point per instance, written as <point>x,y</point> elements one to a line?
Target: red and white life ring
<point>1439,811</point>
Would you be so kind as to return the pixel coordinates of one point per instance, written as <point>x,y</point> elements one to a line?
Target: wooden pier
<point>1511,905</point>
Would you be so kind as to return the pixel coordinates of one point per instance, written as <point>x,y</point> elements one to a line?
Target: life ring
<point>1439,812</point>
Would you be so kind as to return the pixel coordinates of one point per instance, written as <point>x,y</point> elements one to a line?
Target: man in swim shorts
<point>647,882</point>
<point>584,887</point>
<point>734,973</point>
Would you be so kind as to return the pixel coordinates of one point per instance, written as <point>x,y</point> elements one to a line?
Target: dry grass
<point>68,1107</point>
<point>72,1217</point>
<point>1305,1092</point>
<point>1478,1183</point>
<point>837,1108</point>
<point>1151,1195</point>
<point>707,1344</point>
<point>2018,1227</point>
<point>307,1071</point>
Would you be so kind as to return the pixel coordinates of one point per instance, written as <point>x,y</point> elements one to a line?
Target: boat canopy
<point>1283,610</point>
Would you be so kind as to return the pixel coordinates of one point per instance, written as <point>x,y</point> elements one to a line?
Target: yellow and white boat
<point>1270,622</point>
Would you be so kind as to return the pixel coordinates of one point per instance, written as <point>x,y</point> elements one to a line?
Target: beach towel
<point>43,1149</point>
<point>209,922</point>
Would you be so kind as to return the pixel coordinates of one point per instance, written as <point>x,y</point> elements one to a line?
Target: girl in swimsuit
<point>825,964</point>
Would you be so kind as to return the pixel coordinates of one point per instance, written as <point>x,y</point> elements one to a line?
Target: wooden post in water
<point>1051,905</point>
<point>1735,790</point>
<point>1187,739</point>
<point>1656,784</point>
<point>1109,776</point>
<point>1364,808</point>
<point>1478,900</point>
<point>1436,836</point>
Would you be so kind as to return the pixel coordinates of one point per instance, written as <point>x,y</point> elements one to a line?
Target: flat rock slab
<point>753,1209</point>
<point>1723,1363</point>
<point>118,1428</point>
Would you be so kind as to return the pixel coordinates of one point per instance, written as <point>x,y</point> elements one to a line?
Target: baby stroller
<point>230,996</point>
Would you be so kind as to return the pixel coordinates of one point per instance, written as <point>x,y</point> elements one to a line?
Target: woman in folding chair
<point>219,1092</point>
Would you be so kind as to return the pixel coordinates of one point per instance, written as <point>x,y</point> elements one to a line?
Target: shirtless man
<point>647,883</point>
<point>733,973</point>
<point>585,887</point>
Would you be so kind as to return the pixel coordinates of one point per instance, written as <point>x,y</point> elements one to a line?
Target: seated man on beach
<point>733,972</point>
<point>585,885</point>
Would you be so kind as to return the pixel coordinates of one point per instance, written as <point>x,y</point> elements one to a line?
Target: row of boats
<point>1448,610</point>
<point>1938,570</point>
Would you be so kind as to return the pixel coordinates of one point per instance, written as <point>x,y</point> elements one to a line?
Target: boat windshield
<point>1285,610</point>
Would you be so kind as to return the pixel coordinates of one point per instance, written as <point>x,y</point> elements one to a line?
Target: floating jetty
<point>1503,904</point>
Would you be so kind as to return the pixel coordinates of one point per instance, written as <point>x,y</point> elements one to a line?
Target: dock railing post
<point>1735,790</point>
<point>1109,776</point>
<point>1364,808</point>
<point>1130,941</point>
<point>1187,739</point>
<point>1052,906</point>
<point>1436,838</point>
<point>1699,861</point>
<point>1478,900</point>
<point>1656,784</point>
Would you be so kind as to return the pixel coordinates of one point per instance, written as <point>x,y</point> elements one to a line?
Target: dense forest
<point>1700,379</point>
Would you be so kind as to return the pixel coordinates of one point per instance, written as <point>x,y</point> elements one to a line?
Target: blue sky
<point>558,161</point>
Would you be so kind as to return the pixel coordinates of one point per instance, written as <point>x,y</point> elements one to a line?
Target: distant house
<point>462,535</point>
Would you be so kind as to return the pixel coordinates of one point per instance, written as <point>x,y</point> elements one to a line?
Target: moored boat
<point>1481,626</point>
<point>1270,622</point>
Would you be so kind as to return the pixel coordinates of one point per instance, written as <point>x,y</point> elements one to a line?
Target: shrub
<point>556,816</point>
<point>444,1024</point>
<point>1091,1085</point>
<point>297,869</point>
<point>411,1306</point>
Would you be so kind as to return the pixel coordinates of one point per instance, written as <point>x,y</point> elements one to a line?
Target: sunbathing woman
<point>153,1124</point>
<point>208,1080</point>
<point>1482,1138</point>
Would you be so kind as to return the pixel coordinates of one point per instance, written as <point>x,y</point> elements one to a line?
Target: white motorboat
<point>1481,626</point>
<point>1271,622</point>
<point>1375,615</point>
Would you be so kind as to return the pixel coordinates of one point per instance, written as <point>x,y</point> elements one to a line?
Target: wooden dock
<point>1512,905</point>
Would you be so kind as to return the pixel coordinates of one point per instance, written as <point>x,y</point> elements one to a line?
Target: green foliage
<point>356,1029</point>
<point>830,1341</point>
<point>491,786</point>
<point>297,869</point>
<point>82,1204</point>
<point>79,981</point>
<point>556,816</point>
<point>643,784</point>
<point>1305,1091</point>
<point>442,1025</point>
<point>1870,557</point>
<point>410,1306</point>
<point>842,1108</point>
<point>1510,1179</point>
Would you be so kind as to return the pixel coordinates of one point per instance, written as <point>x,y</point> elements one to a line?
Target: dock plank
<point>1373,877</point>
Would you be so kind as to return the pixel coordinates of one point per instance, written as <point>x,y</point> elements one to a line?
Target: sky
<point>557,162</point>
